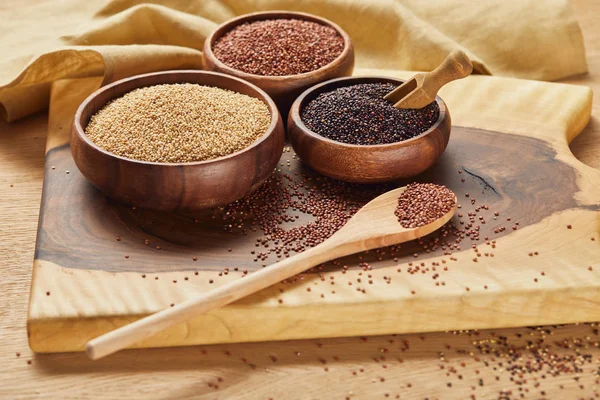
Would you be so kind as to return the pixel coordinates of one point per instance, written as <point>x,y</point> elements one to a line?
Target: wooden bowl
<point>365,164</point>
<point>283,89</point>
<point>176,186</point>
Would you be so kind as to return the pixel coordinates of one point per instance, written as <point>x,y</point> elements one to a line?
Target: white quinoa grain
<point>176,123</point>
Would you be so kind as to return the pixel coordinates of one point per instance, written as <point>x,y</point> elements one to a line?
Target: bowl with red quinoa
<point>282,52</point>
<point>177,140</point>
<point>346,130</point>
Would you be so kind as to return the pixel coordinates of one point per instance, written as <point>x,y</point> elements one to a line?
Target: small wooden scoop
<point>421,89</point>
<point>375,225</point>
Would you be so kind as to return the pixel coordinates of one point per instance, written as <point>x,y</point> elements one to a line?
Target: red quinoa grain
<point>279,47</point>
<point>422,203</point>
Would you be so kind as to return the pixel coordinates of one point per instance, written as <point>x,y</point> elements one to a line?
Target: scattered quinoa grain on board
<point>422,203</point>
<point>178,123</point>
<point>358,114</point>
<point>279,47</point>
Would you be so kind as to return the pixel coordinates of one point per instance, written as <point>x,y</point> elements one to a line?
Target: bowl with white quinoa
<point>177,140</point>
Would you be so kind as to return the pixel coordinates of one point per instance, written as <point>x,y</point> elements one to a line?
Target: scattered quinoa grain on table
<point>279,47</point>
<point>358,114</point>
<point>177,123</point>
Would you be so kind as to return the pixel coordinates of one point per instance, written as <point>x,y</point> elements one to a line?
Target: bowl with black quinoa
<point>345,129</point>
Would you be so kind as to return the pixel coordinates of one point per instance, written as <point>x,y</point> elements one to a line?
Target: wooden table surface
<point>550,362</point>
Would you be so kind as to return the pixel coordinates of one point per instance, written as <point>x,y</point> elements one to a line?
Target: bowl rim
<point>274,14</point>
<point>315,90</point>
<point>275,116</point>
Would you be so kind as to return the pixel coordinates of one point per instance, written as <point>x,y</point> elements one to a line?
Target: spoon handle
<point>456,66</point>
<point>151,325</point>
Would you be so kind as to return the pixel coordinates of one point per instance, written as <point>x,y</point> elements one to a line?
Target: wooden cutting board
<point>99,265</point>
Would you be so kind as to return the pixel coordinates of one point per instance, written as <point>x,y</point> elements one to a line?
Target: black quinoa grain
<point>358,114</point>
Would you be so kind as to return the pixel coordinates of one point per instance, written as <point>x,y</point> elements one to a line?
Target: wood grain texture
<point>375,225</point>
<point>422,89</point>
<point>509,173</point>
<point>365,164</point>
<point>283,89</point>
<point>176,186</point>
<point>186,372</point>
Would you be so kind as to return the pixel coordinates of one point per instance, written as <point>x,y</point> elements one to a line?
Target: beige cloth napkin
<point>68,39</point>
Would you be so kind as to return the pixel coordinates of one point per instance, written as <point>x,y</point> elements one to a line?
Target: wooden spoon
<point>375,225</point>
<point>421,89</point>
